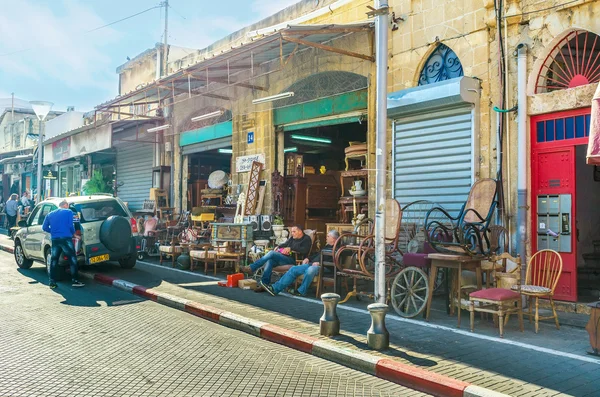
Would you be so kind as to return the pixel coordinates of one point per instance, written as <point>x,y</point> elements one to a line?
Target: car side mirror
<point>22,224</point>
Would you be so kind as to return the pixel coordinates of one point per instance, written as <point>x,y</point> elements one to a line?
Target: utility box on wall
<point>554,222</point>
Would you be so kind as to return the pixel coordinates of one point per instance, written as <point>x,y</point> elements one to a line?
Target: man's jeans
<point>271,260</point>
<point>64,246</point>
<point>288,278</point>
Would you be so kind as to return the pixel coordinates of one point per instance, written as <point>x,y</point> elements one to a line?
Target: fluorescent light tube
<point>159,128</point>
<point>226,151</point>
<point>208,115</point>
<point>273,97</point>
<point>311,138</point>
<point>290,149</point>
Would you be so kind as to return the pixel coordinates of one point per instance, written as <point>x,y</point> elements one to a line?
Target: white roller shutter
<point>433,157</point>
<point>134,170</point>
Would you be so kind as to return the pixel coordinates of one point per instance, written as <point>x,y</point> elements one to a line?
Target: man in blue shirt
<point>59,223</point>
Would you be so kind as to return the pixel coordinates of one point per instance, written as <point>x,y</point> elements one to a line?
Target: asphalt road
<point>100,341</point>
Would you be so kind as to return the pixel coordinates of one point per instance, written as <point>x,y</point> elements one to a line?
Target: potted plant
<point>97,184</point>
<point>277,226</point>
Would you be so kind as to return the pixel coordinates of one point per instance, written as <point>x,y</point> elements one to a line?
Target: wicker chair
<point>543,271</point>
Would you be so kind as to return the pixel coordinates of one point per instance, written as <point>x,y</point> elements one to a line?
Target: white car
<point>105,230</point>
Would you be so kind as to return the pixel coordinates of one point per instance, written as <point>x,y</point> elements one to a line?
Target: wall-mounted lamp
<point>311,138</point>
<point>273,97</point>
<point>159,128</point>
<point>208,115</point>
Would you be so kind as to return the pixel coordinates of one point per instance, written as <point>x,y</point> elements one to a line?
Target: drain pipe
<point>522,150</point>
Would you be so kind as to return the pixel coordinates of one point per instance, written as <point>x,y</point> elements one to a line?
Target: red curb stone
<point>288,338</point>
<point>204,311</point>
<point>103,279</point>
<point>420,379</point>
<point>143,291</point>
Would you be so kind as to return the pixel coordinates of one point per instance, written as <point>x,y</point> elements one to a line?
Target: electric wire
<point>85,32</point>
<point>124,19</point>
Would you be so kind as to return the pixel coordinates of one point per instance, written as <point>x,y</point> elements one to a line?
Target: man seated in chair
<point>309,268</point>
<point>299,243</point>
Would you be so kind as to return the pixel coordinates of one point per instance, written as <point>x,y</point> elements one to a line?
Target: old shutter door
<point>433,157</point>
<point>134,169</point>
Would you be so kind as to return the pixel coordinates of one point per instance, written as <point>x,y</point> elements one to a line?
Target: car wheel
<point>128,262</point>
<point>141,256</point>
<point>115,234</point>
<point>20,257</point>
<point>61,273</point>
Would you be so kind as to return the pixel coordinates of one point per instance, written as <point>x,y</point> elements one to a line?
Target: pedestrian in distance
<point>59,223</point>
<point>25,203</point>
<point>298,243</point>
<point>309,268</point>
<point>12,208</point>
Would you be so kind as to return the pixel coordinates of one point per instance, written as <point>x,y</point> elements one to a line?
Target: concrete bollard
<point>330,323</point>
<point>378,337</point>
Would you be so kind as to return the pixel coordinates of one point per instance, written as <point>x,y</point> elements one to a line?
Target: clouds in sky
<point>41,44</point>
<point>45,52</point>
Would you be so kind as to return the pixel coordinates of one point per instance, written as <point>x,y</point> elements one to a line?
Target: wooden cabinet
<point>321,192</point>
<point>294,201</point>
<point>311,201</point>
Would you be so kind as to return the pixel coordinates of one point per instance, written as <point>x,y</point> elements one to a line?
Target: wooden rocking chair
<point>468,232</point>
<point>361,248</point>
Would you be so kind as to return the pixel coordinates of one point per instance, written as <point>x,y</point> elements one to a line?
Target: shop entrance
<point>200,166</point>
<point>317,160</point>
<point>565,201</point>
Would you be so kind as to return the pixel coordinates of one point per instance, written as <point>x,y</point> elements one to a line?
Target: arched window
<point>442,64</point>
<point>574,61</point>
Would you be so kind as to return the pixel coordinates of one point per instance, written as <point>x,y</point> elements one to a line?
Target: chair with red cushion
<point>500,300</point>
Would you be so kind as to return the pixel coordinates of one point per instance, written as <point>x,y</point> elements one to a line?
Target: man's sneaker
<point>246,270</point>
<point>77,284</point>
<point>52,285</point>
<point>267,288</point>
<point>295,292</point>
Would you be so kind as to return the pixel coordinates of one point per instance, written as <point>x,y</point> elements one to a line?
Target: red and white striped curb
<point>406,375</point>
<point>7,248</point>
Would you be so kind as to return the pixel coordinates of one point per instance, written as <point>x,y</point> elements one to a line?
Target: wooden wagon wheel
<point>409,293</point>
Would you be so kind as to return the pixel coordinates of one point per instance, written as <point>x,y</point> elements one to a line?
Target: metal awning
<point>593,151</point>
<point>117,125</point>
<point>13,153</point>
<point>20,158</point>
<point>239,66</point>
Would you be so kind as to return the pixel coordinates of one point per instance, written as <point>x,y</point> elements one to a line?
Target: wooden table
<point>459,263</point>
<point>233,233</point>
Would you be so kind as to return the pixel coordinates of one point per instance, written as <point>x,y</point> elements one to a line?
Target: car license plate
<point>99,258</point>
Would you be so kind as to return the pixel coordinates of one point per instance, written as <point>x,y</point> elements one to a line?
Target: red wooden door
<point>553,173</point>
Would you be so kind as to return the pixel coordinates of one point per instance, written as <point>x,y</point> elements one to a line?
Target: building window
<point>573,62</point>
<point>563,128</point>
<point>70,179</point>
<point>442,64</point>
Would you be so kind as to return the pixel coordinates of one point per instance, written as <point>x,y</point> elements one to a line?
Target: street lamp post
<point>41,109</point>
<point>381,52</point>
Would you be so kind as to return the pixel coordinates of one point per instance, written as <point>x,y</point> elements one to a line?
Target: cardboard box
<point>232,279</point>
<point>247,284</point>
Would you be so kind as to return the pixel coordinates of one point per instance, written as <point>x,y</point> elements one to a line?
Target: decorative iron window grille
<point>442,64</point>
<point>323,85</point>
<point>574,61</point>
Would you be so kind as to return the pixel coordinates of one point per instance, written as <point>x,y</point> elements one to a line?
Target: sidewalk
<point>522,364</point>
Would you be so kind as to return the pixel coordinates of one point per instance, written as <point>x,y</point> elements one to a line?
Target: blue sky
<point>47,53</point>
